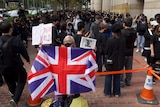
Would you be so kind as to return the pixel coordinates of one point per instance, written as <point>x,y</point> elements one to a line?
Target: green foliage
<point>12,8</point>
<point>29,15</point>
<point>10,19</point>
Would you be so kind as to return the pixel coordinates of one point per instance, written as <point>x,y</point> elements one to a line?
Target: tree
<point>83,2</point>
<point>65,3</point>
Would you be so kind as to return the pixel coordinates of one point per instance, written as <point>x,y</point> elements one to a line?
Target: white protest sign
<point>88,43</point>
<point>42,34</point>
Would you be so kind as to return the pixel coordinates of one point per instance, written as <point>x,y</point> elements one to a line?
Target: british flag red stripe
<point>65,70</point>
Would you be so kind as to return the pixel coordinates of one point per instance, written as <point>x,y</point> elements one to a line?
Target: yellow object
<point>47,102</point>
<point>79,102</point>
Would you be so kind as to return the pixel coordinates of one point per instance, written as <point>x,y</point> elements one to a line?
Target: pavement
<point>128,96</point>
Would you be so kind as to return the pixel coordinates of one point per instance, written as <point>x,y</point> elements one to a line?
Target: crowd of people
<point>116,35</point>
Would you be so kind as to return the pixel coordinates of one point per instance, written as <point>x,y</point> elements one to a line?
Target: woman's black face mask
<point>68,44</point>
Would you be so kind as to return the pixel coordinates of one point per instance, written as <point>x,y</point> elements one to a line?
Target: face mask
<point>68,44</point>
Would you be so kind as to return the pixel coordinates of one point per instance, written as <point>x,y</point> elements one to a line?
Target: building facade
<point>134,7</point>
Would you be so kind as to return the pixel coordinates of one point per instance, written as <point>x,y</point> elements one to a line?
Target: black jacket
<point>130,36</point>
<point>101,42</point>
<point>77,39</point>
<point>18,49</point>
<point>55,37</point>
<point>141,31</point>
<point>115,51</point>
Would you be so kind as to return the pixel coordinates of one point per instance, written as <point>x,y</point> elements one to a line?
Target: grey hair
<point>69,36</point>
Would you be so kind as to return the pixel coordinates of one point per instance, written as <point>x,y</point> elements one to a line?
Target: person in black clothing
<point>87,22</point>
<point>1,78</point>
<point>107,31</point>
<point>15,27</point>
<point>156,68</point>
<point>115,54</point>
<point>21,13</point>
<point>70,29</point>
<point>16,75</point>
<point>155,47</point>
<point>63,31</point>
<point>101,42</point>
<point>79,34</point>
<point>23,30</point>
<point>157,17</point>
<point>148,34</point>
<point>94,27</point>
<point>130,36</point>
<point>55,34</point>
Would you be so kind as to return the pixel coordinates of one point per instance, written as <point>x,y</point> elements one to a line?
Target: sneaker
<point>122,84</point>
<point>108,96</point>
<point>117,96</point>
<point>11,94</point>
<point>137,50</point>
<point>145,59</point>
<point>154,81</point>
<point>141,50</point>
<point>13,103</point>
<point>127,83</point>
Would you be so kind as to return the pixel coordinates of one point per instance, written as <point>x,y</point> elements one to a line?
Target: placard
<point>88,43</point>
<point>42,34</point>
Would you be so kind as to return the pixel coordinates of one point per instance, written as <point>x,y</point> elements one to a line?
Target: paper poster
<point>42,34</point>
<point>88,43</point>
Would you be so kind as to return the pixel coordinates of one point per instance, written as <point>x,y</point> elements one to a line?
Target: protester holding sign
<point>79,34</point>
<point>55,34</point>
<point>68,41</point>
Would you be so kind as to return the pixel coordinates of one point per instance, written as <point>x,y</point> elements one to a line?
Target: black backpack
<point>6,53</point>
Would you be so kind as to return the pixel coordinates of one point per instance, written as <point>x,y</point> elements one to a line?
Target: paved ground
<point>128,96</point>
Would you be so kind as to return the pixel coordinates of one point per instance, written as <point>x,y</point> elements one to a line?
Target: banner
<point>42,34</point>
<point>88,43</point>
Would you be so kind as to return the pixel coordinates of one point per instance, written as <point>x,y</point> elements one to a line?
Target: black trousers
<point>1,79</point>
<point>15,78</point>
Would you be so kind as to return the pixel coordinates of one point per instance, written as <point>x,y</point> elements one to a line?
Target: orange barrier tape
<point>155,74</point>
<point>121,71</point>
<point>128,71</point>
<point>139,62</point>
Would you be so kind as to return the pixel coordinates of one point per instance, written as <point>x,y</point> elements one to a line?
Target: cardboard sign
<point>88,43</point>
<point>42,34</point>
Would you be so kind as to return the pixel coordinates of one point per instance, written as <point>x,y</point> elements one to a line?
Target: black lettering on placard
<point>88,43</point>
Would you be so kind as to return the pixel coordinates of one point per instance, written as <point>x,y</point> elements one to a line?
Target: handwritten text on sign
<point>42,34</point>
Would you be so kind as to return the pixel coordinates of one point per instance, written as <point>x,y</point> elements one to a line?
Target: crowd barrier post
<point>147,94</point>
<point>33,103</point>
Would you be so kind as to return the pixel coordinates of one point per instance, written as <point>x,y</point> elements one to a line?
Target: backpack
<point>6,53</point>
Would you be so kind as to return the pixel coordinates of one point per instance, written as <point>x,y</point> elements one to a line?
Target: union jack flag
<point>63,69</point>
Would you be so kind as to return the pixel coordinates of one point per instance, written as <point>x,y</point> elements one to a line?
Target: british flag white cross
<point>65,70</point>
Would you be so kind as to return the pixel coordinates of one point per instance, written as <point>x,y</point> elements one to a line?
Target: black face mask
<point>68,44</point>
